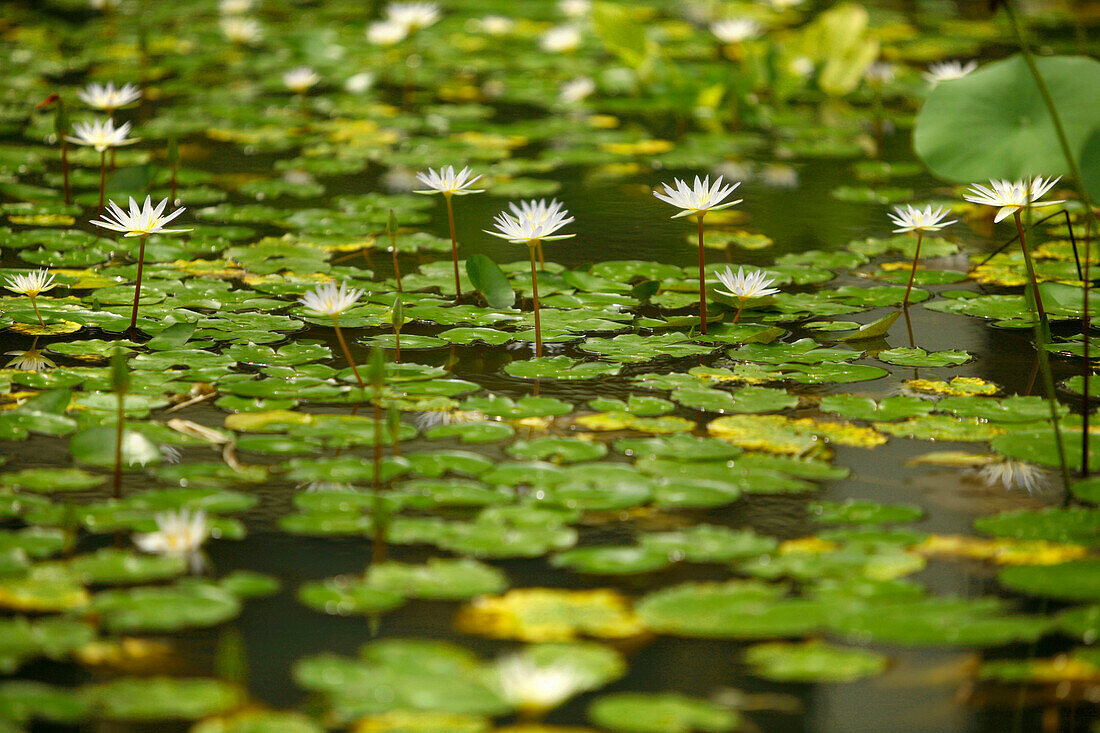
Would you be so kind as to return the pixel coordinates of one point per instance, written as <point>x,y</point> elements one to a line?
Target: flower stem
<point>33,305</point>
<point>740,309</point>
<point>137,288</point>
<point>1034,283</point>
<point>913,272</point>
<point>535,286</point>
<point>703,281</point>
<point>347,353</point>
<point>454,245</point>
<point>65,170</point>
<point>102,178</point>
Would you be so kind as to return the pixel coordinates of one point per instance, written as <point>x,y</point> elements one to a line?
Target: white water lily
<point>329,300</point>
<point>537,688</point>
<point>574,8</point>
<point>496,25</point>
<point>736,30</point>
<point>178,533</point>
<point>880,72</point>
<point>751,285</point>
<point>101,134</point>
<point>701,197</point>
<point>912,219</point>
<point>449,183</point>
<point>386,32</point>
<point>560,38</point>
<point>139,221</point>
<point>532,221</point>
<point>234,7</point>
<point>1011,196</point>
<point>300,79</point>
<point>577,90</point>
<point>31,284</point>
<point>242,31</point>
<point>948,71</point>
<point>413,15</point>
<point>109,97</point>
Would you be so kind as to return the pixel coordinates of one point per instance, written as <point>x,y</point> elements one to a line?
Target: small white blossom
<point>447,182</point>
<point>880,72</point>
<point>560,38</point>
<point>360,83</point>
<point>109,97</point>
<point>178,533</point>
<point>139,221</point>
<point>1011,196</point>
<point>413,15</point>
<point>735,30</point>
<point>533,687</point>
<point>744,286</point>
<point>329,300</point>
<point>300,79</point>
<point>912,219</point>
<point>31,284</point>
<point>101,134</point>
<point>577,90</point>
<point>779,176</point>
<point>948,71</point>
<point>574,8</point>
<point>234,7</point>
<point>698,199</point>
<point>532,221</point>
<point>496,25</point>
<point>386,32</point>
<point>242,31</point>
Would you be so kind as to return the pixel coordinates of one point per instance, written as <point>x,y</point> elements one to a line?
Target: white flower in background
<point>386,32</point>
<point>109,97</point>
<point>242,31</point>
<point>413,15</point>
<point>560,38</point>
<point>802,66</point>
<point>535,688</point>
<point>178,533</point>
<point>577,90</point>
<point>785,4</point>
<point>880,72</point>
<point>101,134</point>
<point>948,70</point>
<point>449,183</point>
<point>430,418</point>
<point>496,25</point>
<point>328,487</point>
<point>329,300</point>
<point>1011,196</point>
<point>702,197</point>
<point>735,30</point>
<point>103,4</point>
<point>779,176</point>
<point>912,219</point>
<point>360,83</point>
<point>399,179</point>
<point>300,79</point>
<point>31,284</point>
<point>139,221</point>
<point>532,221</point>
<point>1010,474</point>
<point>234,7</point>
<point>574,8</point>
<point>741,170</point>
<point>745,286</point>
<point>30,360</point>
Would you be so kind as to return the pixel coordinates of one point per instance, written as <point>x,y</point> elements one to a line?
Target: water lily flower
<point>413,15</point>
<point>1011,196</point>
<point>496,25</point>
<point>360,83</point>
<point>300,79</point>
<point>699,199</point>
<point>108,97</point>
<point>535,689</point>
<point>529,223</point>
<point>574,8</point>
<point>779,176</point>
<point>329,300</point>
<point>916,220</point>
<point>101,134</point>
<point>736,30</point>
<point>785,4</point>
<point>577,90</point>
<point>561,38</point>
<point>745,286</point>
<point>180,533</point>
<point>30,360</point>
<point>105,5</point>
<point>880,72</point>
<point>386,32</point>
<point>242,31</point>
<point>234,7</point>
<point>139,222</point>
<point>948,71</point>
<point>31,285</point>
<point>449,183</point>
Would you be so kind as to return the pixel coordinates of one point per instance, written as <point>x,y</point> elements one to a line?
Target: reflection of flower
<point>698,199</point>
<point>535,688</point>
<point>31,284</point>
<point>300,79</point>
<point>101,134</point>
<point>170,453</point>
<point>532,221</point>
<point>431,418</point>
<point>30,360</point>
<point>1012,474</point>
<point>329,300</point>
<point>948,70</point>
<point>1011,196</point>
<point>735,30</point>
<point>139,222</point>
<point>108,96</point>
<point>751,285</point>
<point>178,533</point>
<point>911,219</point>
<point>447,182</point>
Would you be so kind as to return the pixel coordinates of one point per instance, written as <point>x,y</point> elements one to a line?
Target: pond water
<point>774,526</point>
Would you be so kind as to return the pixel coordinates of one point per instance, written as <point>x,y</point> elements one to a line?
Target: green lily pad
<point>669,712</point>
<point>813,661</point>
